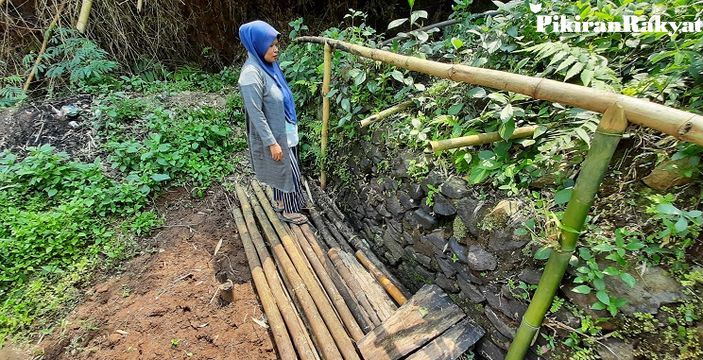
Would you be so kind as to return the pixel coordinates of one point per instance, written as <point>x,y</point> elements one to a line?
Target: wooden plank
<point>426,315</point>
<point>452,344</point>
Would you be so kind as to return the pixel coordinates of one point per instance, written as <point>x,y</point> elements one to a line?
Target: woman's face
<point>272,53</point>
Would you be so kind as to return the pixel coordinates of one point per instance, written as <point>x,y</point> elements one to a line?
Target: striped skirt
<point>294,201</point>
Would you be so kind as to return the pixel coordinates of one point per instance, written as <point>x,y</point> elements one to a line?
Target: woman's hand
<point>276,152</point>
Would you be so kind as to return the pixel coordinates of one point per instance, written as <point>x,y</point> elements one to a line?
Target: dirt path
<point>161,307</point>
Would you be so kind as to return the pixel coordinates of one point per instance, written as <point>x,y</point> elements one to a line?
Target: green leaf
<point>599,284</point>
<point>346,105</point>
<point>478,175</point>
<point>454,109</point>
<point>539,131</point>
<point>598,306</point>
<point>396,23</point>
<point>477,93</point>
<point>543,253</point>
<point>51,192</point>
<point>586,76</point>
<point>507,113</point>
<point>563,196</point>
<point>628,279</point>
<point>612,271</point>
<point>457,43</point>
<point>668,209</point>
<point>582,289</point>
<point>681,225</point>
<point>506,129</point>
<point>398,76</point>
<point>574,71</point>
<point>160,177</point>
<point>603,247</point>
<point>603,297</point>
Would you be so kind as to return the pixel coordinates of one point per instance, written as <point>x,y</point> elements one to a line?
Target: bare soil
<point>165,305</point>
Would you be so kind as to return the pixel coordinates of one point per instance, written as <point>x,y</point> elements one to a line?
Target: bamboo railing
<point>618,110</point>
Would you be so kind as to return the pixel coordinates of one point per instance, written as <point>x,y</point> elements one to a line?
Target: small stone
<point>503,239</point>
<point>672,173</point>
<point>424,220</point>
<point>454,188</point>
<point>443,206</point>
<point>480,259</point>
<point>458,250</point>
<point>415,191</point>
<point>423,259</point>
<point>501,213</point>
<point>489,351</point>
<point>382,211</point>
<point>470,211</point>
<point>530,276</point>
<point>426,275</point>
<point>393,206</point>
<point>511,308</point>
<point>407,202</point>
<point>501,324</point>
<point>469,290</point>
<point>615,349</point>
<point>446,267</point>
<point>446,284</point>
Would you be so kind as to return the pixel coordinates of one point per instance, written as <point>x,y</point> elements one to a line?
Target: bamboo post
<point>480,139</point>
<point>44,44</point>
<point>334,294</point>
<point>299,287</point>
<point>140,4</point>
<point>603,145</point>
<point>82,22</point>
<point>299,334</point>
<point>386,113</point>
<point>356,309</point>
<point>392,290</point>
<point>326,77</point>
<point>344,343</point>
<point>680,124</point>
<point>278,327</point>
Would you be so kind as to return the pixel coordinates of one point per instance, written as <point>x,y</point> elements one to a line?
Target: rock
<point>501,324</point>
<point>508,306</point>
<point>500,340</point>
<point>503,239</point>
<point>489,351</point>
<point>458,250</point>
<point>459,230</point>
<point>431,244</point>
<point>395,249</point>
<point>407,202</point>
<point>443,206</point>
<point>393,206</point>
<point>470,211</point>
<point>434,178</point>
<point>446,267</point>
<point>382,211</point>
<point>425,275</point>
<point>615,349</point>
<point>471,292</point>
<point>653,289</point>
<point>480,259</point>
<point>530,276</point>
<point>424,220</point>
<point>446,284</point>
<point>388,184</point>
<point>423,259</point>
<point>415,191</point>
<point>500,214</point>
<point>672,173</point>
<point>454,188</point>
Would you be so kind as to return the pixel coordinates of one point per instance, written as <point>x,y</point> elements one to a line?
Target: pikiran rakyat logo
<point>556,23</point>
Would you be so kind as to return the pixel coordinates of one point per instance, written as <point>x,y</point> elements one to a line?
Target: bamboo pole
<point>354,286</point>
<point>44,44</point>
<point>326,77</point>
<point>140,4</point>
<point>82,22</point>
<point>480,139</point>
<point>301,337</point>
<point>275,320</point>
<point>344,343</point>
<point>603,145</point>
<point>334,294</point>
<point>356,309</point>
<point>2,2</point>
<point>299,287</point>
<point>386,113</point>
<point>392,290</point>
<point>681,124</point>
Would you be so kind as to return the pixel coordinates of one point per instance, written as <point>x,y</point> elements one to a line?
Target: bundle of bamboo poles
<point>325,299</point>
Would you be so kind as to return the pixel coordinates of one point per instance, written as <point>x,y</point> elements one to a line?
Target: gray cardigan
<point>266,125</point>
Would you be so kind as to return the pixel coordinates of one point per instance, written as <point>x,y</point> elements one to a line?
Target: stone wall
<point>461,241</point>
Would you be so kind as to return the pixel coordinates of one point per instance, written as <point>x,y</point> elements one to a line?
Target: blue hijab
<point>257,36</point>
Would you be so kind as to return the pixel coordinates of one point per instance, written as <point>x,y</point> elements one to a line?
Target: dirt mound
<point>165,305</point>
<point>62,123</point>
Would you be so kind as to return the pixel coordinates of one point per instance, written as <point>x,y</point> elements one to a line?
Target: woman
<point>271,120</point>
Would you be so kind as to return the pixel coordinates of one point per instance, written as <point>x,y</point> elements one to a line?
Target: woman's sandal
<point>297,219</point>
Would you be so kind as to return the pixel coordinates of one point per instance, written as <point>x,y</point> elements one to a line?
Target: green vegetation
<point>64,220</point>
